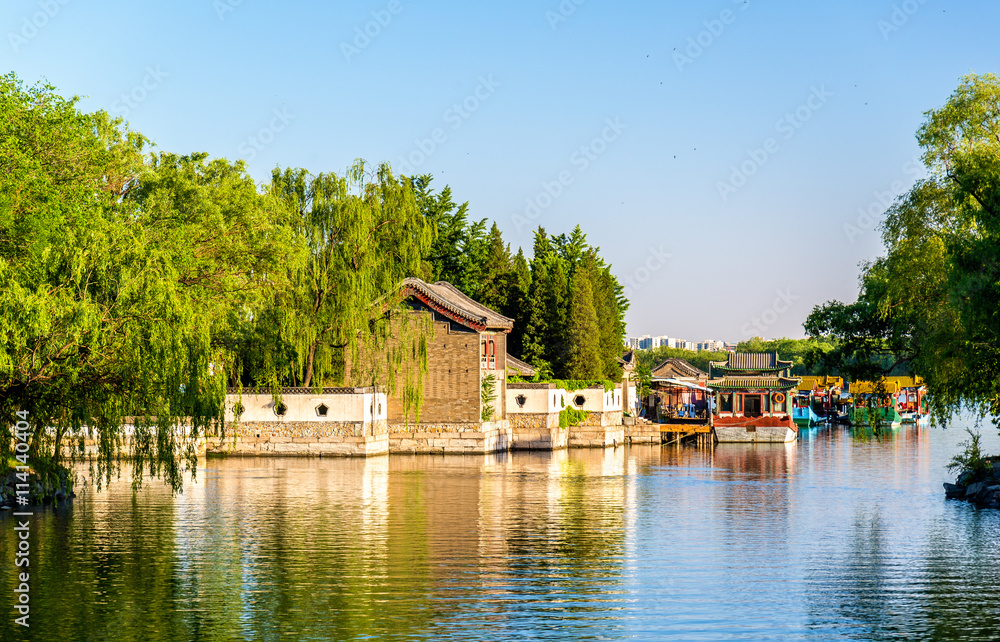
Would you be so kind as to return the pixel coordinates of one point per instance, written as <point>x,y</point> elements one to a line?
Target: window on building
<point>520,399</point>
<point>726,402</point>
<point>280,410</point>
<point>488,358</point>
<point>322,409</point>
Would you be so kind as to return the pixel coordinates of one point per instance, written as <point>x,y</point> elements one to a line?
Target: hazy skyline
<point>731,159</point>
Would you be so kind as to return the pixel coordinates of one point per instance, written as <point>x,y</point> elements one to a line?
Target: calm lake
<point>830,538</point>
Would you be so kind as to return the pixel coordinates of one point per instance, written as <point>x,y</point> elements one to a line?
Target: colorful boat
<point>911,400</point>
<point>803,411</point>
<point>875,404</point>
<point>815,402</point>
<point>753,398</point>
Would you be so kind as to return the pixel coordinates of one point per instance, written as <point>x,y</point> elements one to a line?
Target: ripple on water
<point>825,539</point>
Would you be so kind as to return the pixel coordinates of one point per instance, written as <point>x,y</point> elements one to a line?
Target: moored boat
<point>803,413</point>
<point>875,404</point>
<point>753,399</point>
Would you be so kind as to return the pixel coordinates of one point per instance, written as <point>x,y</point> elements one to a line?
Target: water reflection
<point>827,538</point>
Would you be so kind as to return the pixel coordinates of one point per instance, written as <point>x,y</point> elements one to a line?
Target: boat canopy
<point>869,388</point>
<point>682,384</point>
<point>812,382</point>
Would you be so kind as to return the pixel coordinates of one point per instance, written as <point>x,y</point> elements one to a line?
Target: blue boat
<point>802,411</point>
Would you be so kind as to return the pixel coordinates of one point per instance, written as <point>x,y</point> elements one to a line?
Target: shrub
<point>970,463</point>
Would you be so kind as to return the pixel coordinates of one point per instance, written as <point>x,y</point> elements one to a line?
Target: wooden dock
<point>678,433</point>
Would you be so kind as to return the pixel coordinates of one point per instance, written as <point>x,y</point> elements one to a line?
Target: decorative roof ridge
<point>449,300</point>
<point>681,364</point>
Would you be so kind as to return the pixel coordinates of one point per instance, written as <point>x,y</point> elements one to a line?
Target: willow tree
<point>364,234</point>
<point>105,311</point>
<point>931,302</point>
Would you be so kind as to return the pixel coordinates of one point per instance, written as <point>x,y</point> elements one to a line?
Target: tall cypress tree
<point>582,330</point>
<point>610,318</point>
<point>556,293</point>
<point>495,276</point>
<point>536,322</point>
<point>519,287</point>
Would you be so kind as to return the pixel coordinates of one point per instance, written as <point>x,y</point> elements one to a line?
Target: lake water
<point>830,538</point>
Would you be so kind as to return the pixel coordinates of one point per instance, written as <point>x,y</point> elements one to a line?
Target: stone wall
<point>609,418</point>
<point>537,431</point>
<point>327,405</point>
<point>642,433</point>
<point>596,436</point>
<point>459,438</point>
<point>334,438</point>
<point>451,386</point>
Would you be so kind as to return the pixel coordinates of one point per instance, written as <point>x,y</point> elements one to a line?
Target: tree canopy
<point>930,304</point>
<point>137,287</point>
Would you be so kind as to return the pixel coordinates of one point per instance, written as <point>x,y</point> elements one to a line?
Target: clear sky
<point>715,151</point>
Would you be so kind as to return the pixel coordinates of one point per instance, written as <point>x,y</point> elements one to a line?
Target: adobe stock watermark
<point>249,148</point>
<point>22,527</point>
<point>701,41</point>
<point>581,159</point>
<point>562,12</point>
<point>33,24</point>
<point>135,96</point>
<point>454,116</point>
<point>222,7</point>
<point>870,215</point>
<point>900,15</point>
<point>782,304</point>
<point>365,34</point>
<point>656,259</point>
<point>787,126</point>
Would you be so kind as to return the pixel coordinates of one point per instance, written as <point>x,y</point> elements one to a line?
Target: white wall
<point>357,406</point>
<point>536,400</point>
<point>596,399</point>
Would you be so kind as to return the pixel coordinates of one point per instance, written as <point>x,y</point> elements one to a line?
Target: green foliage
<point>582,332</point>
<point>581,384</point>
<point>572,417</point>
<point>803,353</point>
<point>699,359</point>
<point>644,380</point>
<point>106,318</point>
<point>929,305</point>
<point>134,290</point>
<point>487,395</point>
<point>970,465</point>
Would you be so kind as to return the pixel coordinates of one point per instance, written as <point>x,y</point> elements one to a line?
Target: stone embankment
<point>984,493</point>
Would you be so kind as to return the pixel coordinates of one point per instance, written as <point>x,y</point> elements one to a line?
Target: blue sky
<point>720,153</point>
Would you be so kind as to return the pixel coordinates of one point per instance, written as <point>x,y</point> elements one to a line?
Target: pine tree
<point>556,293</point>
<point>536,326</point>
<point>496,272</point>
<point>582,331</point>
<point>519,286</point>
<point>610,319</point>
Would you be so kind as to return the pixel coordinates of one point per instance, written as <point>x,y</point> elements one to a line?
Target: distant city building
<point>647,342</point>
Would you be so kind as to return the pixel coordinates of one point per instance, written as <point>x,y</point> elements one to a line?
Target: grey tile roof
<point>753,361</point>
<point>448,298</point>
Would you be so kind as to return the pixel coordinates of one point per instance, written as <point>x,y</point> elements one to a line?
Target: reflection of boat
<point>884,416</point>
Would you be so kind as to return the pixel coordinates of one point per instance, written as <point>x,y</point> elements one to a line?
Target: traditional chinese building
<point>465,357</point>
<point>753,397</point>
